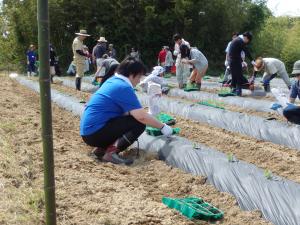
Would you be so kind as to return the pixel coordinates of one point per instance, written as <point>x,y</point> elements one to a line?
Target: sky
<point>284,7</point>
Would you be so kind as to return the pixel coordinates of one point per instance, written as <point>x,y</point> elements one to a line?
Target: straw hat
<point>102,39</point>
<point>259,64</point>
<point>83,33</point>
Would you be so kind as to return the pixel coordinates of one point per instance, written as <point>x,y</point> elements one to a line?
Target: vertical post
<point>46,110</point>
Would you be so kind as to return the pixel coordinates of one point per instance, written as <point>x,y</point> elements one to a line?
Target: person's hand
<point>244,64</point>
<point>252,79</point>
<point>253,63</point>
<point>226,63</point>
<point>166,130</point>
<point>184,61</point>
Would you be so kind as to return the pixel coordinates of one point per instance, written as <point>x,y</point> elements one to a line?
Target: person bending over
<point>271,67</point>
<point>194,57</point>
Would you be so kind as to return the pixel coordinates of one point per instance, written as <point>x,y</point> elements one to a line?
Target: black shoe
<point>267,88</point>
<point>99,152</point>
<point>78,83</point>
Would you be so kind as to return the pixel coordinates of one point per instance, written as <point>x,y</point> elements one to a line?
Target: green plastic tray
<point>226,94</point>
<point>191,87</point>
<point>168,75</point>
<point>210,105</point>
<point>156,132</point>
<point>165,118</point>
<point>194,208</point>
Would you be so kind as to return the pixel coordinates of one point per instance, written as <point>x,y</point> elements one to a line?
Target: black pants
<point>236,73</point>
<point>292,114</point>
<point>125,129</point>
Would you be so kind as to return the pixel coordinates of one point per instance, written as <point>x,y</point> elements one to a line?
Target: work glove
<point>166,130</point>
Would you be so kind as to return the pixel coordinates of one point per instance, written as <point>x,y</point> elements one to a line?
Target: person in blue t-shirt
<point>31,60</point>
<point>292,112</point>
<point>114,118</point>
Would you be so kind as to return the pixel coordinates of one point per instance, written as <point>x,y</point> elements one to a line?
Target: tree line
<point>148,25</point>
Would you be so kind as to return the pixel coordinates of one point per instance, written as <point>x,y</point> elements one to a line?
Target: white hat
<point>158,70</point>
<point>102,39</point>
<point>83,33</point>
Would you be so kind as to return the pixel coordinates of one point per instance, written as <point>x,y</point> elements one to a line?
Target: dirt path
<point>280,160</point>
<point>88,192</point>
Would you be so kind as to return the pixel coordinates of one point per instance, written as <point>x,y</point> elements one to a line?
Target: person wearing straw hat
<point>271,67</point>
<point>79,56</point>
<point>98,51</point>
<point>292,112</point>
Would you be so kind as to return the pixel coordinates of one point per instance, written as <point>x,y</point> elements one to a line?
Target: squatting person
<point>292,112</point>
<point>114,118</point>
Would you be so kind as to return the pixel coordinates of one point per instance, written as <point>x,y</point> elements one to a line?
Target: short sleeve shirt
<point>272,65</point>
<point>108,62</point>
<point>115,98</point>
<point>77,45</point>
<point>295,90</point>
<point>31,55</point>
<point>227,48</point>
<point>198,56</point>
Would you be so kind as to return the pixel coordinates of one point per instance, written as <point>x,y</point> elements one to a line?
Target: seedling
<point>230,157</point>
<point>195,146</point>
<point>268,174</point>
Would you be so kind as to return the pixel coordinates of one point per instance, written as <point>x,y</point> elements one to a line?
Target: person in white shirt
<point>182,70</point>
<point>156,76</point>
<point>169,60</point>
<point>271,67</point>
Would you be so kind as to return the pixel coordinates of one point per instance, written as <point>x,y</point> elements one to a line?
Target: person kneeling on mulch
<point>114,118</point>
<point>292,112</point>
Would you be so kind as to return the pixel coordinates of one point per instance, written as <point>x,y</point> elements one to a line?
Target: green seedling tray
<point>168,75</point>
<point>165,118</point>
<point>194,208</point>
<point>157,132</point>
<point>206,78</point>
<point>210,105</point>
<point>96,83</point>
<point>191,87</point>
<point>226,94</point>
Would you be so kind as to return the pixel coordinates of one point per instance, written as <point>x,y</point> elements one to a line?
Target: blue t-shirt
<point>31,56</point>
<point>295,90</point>
<point>115,98</point>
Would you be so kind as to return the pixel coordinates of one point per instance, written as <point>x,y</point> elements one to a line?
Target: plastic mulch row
<point>194,208</point>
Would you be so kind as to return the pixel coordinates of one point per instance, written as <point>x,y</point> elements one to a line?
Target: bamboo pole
<point>46,110</point>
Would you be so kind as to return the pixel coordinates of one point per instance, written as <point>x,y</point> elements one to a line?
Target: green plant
<point>268,174</point>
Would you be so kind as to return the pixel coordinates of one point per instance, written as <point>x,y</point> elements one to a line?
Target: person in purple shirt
<point>31,60</point>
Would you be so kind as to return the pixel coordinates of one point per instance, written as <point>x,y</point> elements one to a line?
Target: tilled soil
<point>88,191</point>
<point>281,160</point>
